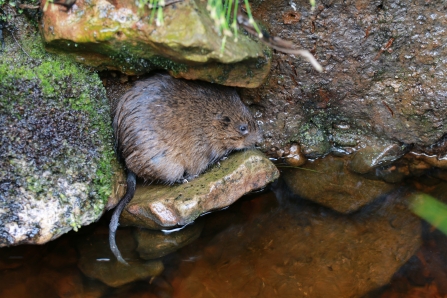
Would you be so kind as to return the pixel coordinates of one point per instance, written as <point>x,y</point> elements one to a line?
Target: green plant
<point>156,7</point>
<point>225,14</point>
<point>228,18</point>
<point>430,209</point>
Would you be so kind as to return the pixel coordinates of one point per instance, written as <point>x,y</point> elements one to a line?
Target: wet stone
<point>63,254</point>
<point>156,244</point>
<point>66,282</point>
<point>160,206</point>
<point>438,191</point>
<point>329,182</point>
<point>17,256</point>
<point>366,159</point>
<point>142,290</point>
<point>433,161</point>
<point>294,157</point>
<point>393,173</point>
<point>303,250</point>
<point>440,174</point>
<point>97,261</point>
<point>314,142</point>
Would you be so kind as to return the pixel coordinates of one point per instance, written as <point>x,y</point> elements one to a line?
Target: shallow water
<point>271,244</point>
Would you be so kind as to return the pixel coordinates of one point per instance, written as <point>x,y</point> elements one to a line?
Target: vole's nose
<point>259,140</point>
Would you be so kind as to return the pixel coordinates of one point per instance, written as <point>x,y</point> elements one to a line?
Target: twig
<point>277,43</point>
<point>301,168</point>
<point>386,47</point>
<point>12,34</point>
<point>388,107</point>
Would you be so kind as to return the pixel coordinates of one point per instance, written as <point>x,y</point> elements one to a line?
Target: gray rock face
<point>158,206</point>
<point>384,77</point>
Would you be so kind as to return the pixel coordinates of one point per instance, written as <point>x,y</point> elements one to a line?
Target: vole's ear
<point>222,120</point>
<point>226,119</point>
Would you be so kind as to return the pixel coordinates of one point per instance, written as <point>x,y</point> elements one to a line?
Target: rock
<point>45,271</point>
<point>56,151</point>
<point>374,86</point>
<point>423,275</point>
<point>343,135</point>
<point>141,290</point>
<point>12,284</point>
<point>37,275</point>
<point>440,174</point>
<point>97,261</point>
<point>156,244</point>
<point>65,282</point>
<point>433,161</point>
<point>329,182</point>
<point>392,174</point>
<point>19,256</point>
<point>160,206</point>
<point>112,35</point>
<point>94,288</point>
<point>302,250</point>
<point>62,254</point>
<point>438,191</point>
<point>366,159</point>
<point>295,157</point>
<point>314,141</point>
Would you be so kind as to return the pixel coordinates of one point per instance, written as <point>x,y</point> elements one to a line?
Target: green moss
<point>62,83</point>
<point>165,63</point>
<point>226,69</point>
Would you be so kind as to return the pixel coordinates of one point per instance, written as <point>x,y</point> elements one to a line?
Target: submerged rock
<point>302,250</point>
<point>156,244</point>
<point>329,182</point>
<point>366,159</point>
<point>433,161</point>
<point>158,206</point>
<point>46,270</point>
<point>97,261</point>
<point>121,36</point>
<point>56,151</point>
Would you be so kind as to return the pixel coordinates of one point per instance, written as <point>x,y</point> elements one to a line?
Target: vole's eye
<point>243,129</point>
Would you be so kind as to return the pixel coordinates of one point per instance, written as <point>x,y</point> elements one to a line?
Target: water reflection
<point>299,249</point>
<point>266,245</point>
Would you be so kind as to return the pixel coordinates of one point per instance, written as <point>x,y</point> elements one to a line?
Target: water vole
<point>170,130</point>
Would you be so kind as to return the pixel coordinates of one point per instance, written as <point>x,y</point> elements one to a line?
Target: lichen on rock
<point>56,152</point>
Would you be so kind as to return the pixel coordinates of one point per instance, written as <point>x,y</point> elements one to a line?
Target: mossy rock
<point>121,36</point>
<point>56,151</point>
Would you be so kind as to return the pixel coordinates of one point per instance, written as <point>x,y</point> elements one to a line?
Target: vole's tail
<point>130,191</point>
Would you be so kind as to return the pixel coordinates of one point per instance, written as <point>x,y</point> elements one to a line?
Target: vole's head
<point>237,129</point>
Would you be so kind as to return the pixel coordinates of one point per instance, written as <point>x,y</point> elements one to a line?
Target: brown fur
<point>170,129</point>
